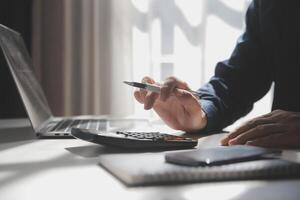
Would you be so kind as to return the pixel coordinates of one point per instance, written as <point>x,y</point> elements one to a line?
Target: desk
<point>36,169</point>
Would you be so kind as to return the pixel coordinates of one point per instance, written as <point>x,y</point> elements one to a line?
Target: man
<point>268,51</point>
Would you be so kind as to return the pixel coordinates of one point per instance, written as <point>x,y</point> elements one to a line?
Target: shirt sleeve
<point>239,81</point>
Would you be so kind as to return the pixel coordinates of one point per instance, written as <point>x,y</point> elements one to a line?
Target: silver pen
<point>153,88</point>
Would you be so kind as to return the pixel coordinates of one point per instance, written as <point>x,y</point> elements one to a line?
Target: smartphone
<point>217,156</point>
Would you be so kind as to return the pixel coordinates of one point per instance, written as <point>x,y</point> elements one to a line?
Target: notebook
<point>151,169</point>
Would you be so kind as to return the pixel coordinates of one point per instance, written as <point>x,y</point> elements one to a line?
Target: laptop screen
<point>20,65</point>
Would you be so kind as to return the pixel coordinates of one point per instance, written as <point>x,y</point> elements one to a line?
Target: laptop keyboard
<point>68,124</point>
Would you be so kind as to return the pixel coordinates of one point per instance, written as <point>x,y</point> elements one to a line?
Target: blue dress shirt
<point>267,52</point>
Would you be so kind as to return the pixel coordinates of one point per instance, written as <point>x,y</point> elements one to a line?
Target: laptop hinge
<point>43,127</point>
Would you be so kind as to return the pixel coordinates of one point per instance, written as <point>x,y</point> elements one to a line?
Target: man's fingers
<point>279,140</point>
<point>169,85</point>
<point>249,125</point>
<point>256,132</point>
<point>150,99</point>
<point>147,79</point>
<point>139,96</point>
<point>188,101</point>
<point>246,127</point>
<point>192,117</point>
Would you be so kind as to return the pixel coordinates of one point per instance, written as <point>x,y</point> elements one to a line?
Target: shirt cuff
<point>211,114</point>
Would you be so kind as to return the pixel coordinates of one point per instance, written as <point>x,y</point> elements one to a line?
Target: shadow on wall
<point>171,16</point>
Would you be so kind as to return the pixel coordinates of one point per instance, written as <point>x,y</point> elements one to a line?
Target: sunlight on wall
<point>220,40</point>
<point>192,10</point>
<point>236,5</point>
<point>140,61</point>
<point>141,5</point>
<point>187,59</point>
<point>156,49</point>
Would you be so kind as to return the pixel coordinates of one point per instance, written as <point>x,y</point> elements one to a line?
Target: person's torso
<point>280,36</point>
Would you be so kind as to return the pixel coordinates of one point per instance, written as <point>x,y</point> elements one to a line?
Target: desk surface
<point>67,169</point>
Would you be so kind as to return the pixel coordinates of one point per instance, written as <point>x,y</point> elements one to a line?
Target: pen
<point>153,88</point>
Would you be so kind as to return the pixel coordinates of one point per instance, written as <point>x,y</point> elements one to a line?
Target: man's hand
<point>278,129</point>
<point>177,108</point>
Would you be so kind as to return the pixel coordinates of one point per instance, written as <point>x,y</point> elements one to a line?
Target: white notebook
<point>151,169</point>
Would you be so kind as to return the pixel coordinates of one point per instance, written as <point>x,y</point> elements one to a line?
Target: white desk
<point>37,169</point>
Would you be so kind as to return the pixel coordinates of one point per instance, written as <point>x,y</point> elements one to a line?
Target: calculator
<point>134,140</point>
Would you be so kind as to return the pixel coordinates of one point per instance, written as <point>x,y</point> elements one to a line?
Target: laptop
<point>43,122</point>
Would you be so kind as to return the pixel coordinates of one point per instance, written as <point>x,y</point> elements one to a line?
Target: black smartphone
<point>217,156</point>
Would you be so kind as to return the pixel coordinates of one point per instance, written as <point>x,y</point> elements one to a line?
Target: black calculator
<point>133,140</point>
